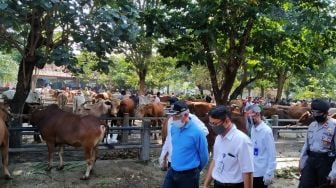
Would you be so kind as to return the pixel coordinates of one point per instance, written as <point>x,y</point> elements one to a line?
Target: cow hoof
<point>60,167</point>
<point>8,177</point>
<point>48,169</point>
<point>84,177</point>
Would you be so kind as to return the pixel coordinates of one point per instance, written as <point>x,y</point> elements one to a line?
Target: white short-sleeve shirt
<point>233,156</point>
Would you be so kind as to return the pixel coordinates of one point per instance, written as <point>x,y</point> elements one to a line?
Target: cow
<point>62,100</point>
<point>103,95</point>
<point>102,108</point>
<point>4,139</point>
<point>152,110</point>
<point>58,128</point>
<point>33,96</point>
<point>129,106</point>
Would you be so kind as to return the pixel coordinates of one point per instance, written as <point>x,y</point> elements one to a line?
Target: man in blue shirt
<point>190,150</point>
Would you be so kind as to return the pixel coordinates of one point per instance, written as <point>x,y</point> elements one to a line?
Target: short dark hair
<point>220,112</point>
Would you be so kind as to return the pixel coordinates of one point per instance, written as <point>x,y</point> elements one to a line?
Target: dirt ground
<point>117,172</point>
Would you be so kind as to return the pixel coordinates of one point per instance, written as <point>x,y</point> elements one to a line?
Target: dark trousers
<point>258,182</point>
<point>228,185</point>
<point>175,179</point>
<point>315,172</point>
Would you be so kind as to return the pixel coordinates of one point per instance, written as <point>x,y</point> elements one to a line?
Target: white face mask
<point>177,123</point>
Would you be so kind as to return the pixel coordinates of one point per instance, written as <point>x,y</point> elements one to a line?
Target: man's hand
<point>267,180</point>
<point>163,163</point>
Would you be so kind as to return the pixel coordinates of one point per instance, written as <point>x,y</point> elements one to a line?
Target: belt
<point>185,171</point>
<point>318,154</point>
<point>228,184</point>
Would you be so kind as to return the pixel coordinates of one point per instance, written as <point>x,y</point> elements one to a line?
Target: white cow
<point>33,96</point>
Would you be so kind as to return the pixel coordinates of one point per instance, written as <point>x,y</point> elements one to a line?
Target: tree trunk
<point>240,88</point>
<point>262,91</point>
<point>280,84</point>
<point>22,90</point>
<point>142,79</point>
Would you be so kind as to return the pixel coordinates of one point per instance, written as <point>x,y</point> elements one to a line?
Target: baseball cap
<point>179,107</point>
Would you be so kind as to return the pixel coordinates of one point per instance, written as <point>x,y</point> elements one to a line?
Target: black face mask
<point>252,121</point>
<point>321,118</point>
<point>218,129</point>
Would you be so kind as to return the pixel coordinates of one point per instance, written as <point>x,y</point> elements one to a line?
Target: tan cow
<point>4,139</point>
<point>100,108</point>
<point>59,128</point>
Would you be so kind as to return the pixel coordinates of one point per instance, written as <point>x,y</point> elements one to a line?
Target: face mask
<point>218,129</point>
<point>177,123</point>
<point>321,118</point>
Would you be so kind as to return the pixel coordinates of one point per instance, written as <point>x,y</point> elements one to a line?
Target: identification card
<point>255,151</point>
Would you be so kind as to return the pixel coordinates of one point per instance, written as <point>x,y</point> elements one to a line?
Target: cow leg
<point>60,153</point>
<point>4,153</point>
<point>51,148</point>
<point>90,161</point>
<point>37,138</point>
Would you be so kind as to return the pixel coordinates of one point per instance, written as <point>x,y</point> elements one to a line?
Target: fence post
<point>275,122</point>
<point>15,137</point>
<point>145,140</point>
<point>124,137</point>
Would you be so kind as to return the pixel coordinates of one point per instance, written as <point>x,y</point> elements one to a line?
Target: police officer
<point>317,159</point>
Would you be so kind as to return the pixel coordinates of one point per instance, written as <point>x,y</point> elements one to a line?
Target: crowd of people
<point>240,160</point>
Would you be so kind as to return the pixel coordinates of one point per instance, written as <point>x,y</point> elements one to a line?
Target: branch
<point>245,36</point>
<point>9,38</point>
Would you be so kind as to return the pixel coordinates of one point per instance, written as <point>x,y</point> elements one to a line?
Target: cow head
<point>100,108</point>
<point>115,104</point>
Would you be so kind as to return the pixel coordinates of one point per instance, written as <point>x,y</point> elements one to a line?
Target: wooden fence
<point>274,122</point>
<point>145,134</point>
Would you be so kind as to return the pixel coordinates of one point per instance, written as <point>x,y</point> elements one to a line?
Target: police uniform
<point>232,156</point>
<point>317,155</point>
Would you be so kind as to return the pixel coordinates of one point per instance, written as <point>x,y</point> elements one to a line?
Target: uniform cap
<point>320,105</point>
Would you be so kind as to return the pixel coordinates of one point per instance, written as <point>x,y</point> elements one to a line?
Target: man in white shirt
<point>167,146</point>
<point>157,97</point>
<point>263,149</point>
<point>232,164</point>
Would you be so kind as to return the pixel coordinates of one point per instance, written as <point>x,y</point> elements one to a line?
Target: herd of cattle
<point>84,128</point>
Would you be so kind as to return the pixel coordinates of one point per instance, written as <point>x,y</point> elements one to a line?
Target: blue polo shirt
<point>190,147</point>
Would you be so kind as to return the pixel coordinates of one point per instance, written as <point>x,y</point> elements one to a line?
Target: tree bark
<point>22,91</point>
<point>280,84</point>
<point>142,79</point>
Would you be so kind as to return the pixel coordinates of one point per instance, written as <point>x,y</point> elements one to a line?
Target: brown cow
<point>59,128</point>
<point>127,105</point>
<point>4,139</point>
<point>62,100</point>
<point>152,110</point>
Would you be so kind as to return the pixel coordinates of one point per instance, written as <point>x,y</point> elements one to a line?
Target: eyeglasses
<point>212,124</point>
